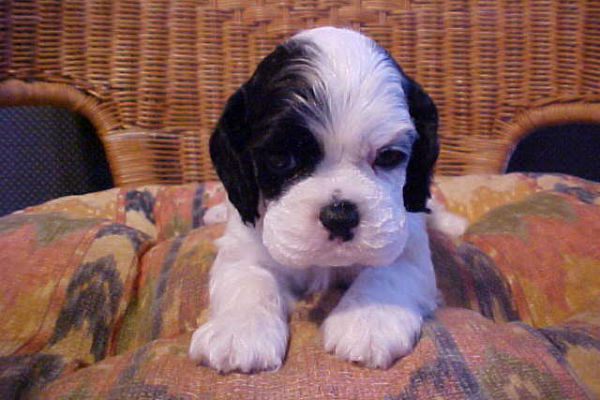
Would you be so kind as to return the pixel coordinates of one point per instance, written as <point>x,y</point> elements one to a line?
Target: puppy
<point>326,155</point>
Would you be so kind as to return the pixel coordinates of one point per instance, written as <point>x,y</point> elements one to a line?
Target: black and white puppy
<point>326,154</point>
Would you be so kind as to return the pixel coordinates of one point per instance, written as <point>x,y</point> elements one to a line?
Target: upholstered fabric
<point>532,250</point>
<point>100,294</point>
<point>461,355</point>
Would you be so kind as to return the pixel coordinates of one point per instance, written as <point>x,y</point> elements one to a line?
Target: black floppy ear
<point>232,159</point>
<point>425,149</point>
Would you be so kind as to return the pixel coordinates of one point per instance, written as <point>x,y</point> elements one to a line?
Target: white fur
<point>379,319</point>
<point>445,221</point>
<point>259,268</point>
<point>216,214</point>
<point>301,241</point>
<point>366,104</point>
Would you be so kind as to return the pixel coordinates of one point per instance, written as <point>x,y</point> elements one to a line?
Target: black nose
<point>339,218</point>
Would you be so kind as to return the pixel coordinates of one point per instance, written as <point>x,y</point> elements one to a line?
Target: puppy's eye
<point>280,163</point>
<point>390,157</point>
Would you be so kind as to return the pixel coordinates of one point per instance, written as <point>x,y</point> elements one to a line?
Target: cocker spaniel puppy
<point>326,154</point>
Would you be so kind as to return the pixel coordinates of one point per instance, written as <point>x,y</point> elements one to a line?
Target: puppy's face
<point>325,149</point>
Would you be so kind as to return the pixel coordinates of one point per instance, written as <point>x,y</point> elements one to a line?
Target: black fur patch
<point>425,149</point>
<point>264,117</point>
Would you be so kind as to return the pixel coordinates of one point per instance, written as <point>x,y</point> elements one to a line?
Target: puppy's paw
<point>374,336</point>
<point>246,343</point>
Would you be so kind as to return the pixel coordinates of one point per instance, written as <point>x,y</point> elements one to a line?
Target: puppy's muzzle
<point>339,218</point>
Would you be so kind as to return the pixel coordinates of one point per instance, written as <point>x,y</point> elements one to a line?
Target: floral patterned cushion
<point>65,284</point>
<point>461,355</point>
<point>101,292</point>
<point>159,211</point>
<point>534,257</point>
<point>472,196</point>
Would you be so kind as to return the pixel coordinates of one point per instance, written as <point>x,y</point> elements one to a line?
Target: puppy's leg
<point>379,319</point>
<point>247,326</point>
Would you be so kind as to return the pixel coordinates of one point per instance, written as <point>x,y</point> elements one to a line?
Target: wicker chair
<point>152,76</point>
<point>100,293</point>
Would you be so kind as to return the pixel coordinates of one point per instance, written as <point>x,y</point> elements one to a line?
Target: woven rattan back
<point>157,73</point>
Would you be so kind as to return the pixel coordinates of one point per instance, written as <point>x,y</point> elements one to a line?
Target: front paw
<point>372,335</point>
<point>246,343</point>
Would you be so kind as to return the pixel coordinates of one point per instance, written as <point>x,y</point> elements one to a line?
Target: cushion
<point>104,291</point>
<point>511,263</point>
<point>460,355</point>
<point>159,211</point>
<point>65,286</point>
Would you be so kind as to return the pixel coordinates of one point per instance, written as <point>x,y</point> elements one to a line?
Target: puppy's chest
<point>316,279</point>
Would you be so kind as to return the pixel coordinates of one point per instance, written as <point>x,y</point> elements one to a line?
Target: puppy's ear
<point>232,159</point>
<point>425,149</point>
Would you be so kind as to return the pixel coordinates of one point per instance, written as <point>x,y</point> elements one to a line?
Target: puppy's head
<point>326,148</point>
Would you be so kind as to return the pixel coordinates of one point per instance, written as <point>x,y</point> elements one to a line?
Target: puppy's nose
<point>339,218</point>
